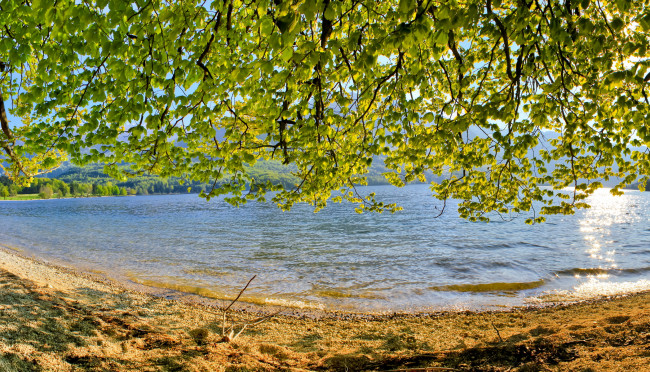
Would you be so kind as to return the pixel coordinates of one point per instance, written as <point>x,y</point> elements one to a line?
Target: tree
<point>65,189</point>
<point>497,97</point>
<point>45,192</point>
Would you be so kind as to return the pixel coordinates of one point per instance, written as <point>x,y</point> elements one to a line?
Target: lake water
<point>338,259</point>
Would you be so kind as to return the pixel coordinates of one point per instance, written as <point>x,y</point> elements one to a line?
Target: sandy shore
<point>56,319</point>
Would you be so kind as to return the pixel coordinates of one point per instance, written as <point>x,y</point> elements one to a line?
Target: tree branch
<point>504,36</point>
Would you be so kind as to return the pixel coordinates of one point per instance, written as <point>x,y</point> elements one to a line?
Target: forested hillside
<point>149,184</point>
<point>74,181</point>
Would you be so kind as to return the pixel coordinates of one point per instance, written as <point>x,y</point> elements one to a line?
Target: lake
<point>338,259</point>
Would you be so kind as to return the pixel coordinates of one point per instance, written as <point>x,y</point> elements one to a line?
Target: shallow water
<point>337,259</point>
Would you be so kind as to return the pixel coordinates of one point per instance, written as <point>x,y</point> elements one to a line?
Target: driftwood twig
<point>228,333</point>
<point>496,329</point>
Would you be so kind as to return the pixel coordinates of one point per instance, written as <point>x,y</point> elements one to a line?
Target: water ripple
<point>336,258</point>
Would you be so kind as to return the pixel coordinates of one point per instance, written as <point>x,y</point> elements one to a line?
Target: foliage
<point>463,90</point>
<point>46,192</point>
<point>46,188</point>
<point>265,171</point>
<point>140,185</point>
<point>641,186</point>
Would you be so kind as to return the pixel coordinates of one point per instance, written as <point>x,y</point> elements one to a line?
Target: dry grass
<point>50,327</point>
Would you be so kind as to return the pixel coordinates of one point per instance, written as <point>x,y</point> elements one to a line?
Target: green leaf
<point>623,5</point>
<point>266,25</point>
<point>287,53</point>
<point>406,7</point>
<point>287,22</point>
<point>617,24</point>
<point>241,75</point>
<point>330,12</point>
<point>645,22</point>
<point>441,38</point>
<point>308,9</point>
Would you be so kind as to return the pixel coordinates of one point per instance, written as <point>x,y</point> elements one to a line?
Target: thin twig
<point>231,330</point>
<point>498,333</point>
<point>256,322</point>
<point>240,293</point>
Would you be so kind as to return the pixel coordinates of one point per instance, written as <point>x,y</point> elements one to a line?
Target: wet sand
<point>58,319</point>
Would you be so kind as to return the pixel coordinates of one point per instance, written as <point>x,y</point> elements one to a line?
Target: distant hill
<point>141,185</point>
<point>264,170</point>
<point>635,186</point>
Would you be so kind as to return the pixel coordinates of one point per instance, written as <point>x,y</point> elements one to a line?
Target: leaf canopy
<point>499,99</point>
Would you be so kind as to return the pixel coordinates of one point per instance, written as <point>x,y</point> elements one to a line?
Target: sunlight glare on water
<point>599,225</point>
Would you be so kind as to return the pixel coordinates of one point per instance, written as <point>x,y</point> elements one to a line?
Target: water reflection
<point>608,215</point>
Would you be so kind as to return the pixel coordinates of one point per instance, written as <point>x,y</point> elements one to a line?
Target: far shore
<point>57,319</point>
<point>32,197</point>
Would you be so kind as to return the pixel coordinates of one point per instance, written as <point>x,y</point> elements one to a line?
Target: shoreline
<point>265,309</point>
<point>60,198</point>
<point>56,318</point>
<point>15,199</point>
<point>300,312</point>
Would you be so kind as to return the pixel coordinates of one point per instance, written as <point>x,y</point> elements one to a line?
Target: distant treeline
<point>47,188</point>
